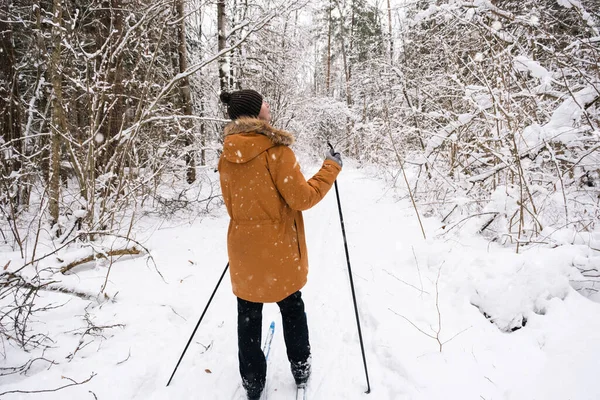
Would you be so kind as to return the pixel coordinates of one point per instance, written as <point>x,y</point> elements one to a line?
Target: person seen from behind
<point>265,193</point>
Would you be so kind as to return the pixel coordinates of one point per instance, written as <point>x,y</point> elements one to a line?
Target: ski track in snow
<point>556,356</point>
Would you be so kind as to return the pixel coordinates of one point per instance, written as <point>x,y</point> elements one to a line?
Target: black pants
<point>253,366</point>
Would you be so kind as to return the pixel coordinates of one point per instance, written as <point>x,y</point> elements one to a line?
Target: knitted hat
<point>242,103</point>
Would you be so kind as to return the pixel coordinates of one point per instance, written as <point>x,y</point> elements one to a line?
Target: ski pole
<point>362,347</point>
<point>198,324</point>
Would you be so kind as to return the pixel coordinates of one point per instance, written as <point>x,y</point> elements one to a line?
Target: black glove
<point>335,157</point>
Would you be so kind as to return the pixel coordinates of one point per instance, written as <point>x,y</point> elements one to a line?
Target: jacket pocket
<point>297,237</point>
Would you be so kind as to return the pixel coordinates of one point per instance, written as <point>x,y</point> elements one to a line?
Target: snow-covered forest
<point>470,133</point>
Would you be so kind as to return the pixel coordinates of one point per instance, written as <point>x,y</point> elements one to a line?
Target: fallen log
<point>97,256</point>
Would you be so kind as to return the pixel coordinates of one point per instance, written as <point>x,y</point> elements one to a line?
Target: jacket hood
<point>246,138</point>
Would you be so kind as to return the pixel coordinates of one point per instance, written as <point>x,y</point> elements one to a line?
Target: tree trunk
<point>345,53</point>
<point>221,25</point>
<point>238,15</point>
<point>390,37</point>
<point>10,121</point>
<point>328,77</point>
<point>202,136</point>
<point>190,158</point>
<point>347,66</point>
<point>201,99</point>
<point>10,110</point>
<point>114,76</point>
<point>350,53</point>
<point>58,117</point>
<point>42,60</point>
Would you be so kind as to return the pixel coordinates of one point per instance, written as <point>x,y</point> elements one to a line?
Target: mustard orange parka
<point>265,192</point>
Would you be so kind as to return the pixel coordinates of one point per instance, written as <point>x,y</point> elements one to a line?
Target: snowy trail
<point>556,356</point>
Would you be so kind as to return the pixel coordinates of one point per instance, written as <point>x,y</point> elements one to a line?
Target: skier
<point>265,193</point>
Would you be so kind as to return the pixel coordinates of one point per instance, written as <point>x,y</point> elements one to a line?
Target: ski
<point>267,350</point>
<point>268,340</point>
<point>301,392</point>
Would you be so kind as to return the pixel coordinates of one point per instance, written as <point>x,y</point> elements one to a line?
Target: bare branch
<point>50,390</point>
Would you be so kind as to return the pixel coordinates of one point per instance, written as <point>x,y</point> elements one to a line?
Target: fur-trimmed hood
<point>246,138</point>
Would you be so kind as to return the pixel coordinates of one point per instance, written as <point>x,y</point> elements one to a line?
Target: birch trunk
<point>221,25</point>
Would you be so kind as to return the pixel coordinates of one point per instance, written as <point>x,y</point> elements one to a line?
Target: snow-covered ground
<point>556,355</point>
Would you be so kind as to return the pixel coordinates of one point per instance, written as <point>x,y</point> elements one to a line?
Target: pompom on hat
<point>242,103</point>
